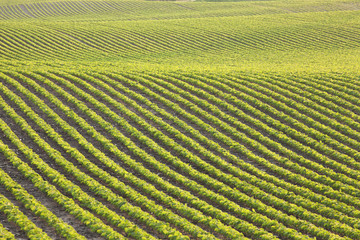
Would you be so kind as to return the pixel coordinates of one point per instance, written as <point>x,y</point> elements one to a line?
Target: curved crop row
<point>29,201</point>
<point>15,215</point>
<point>193,144</point>
<point>283,138</point>
<point>115,39</point>
<point>76,192</point>
<point>248,167</point>
<point>136,198</point>
<point>182,155</point>
<point>148,140</point>
<point>151,176</point>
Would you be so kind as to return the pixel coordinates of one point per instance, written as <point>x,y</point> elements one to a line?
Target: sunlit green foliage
<point>179,120</point>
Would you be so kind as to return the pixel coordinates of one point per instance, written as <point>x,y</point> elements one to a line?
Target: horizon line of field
<point>351,220</point>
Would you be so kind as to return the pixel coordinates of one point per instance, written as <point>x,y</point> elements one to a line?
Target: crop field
<point>179,119</point>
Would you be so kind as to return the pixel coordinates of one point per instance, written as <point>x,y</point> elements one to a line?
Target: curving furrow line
<point>308,164</point>
<point>86,200</point>
<point>17,44</point>
<point>338,167</point>
<point>184,224</point>
<point>202,155</point>
<point>313,185</point>
<point>199,189</point>
<point>227,168</point>
<point>34,47</point>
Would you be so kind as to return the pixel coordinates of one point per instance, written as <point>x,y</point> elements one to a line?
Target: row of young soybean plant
<point>105,193</point>
<point>185,225</point>
<point>328,114</point>
<point>198,161</point>
<point>11,12</point>
<point>14,214</point>
<point>195,160</point>
<point>8,208</point>
<point>246,227</point>
<point>11,47</point>
<point>213,224</point>
<point>122,39</point>
<point>342,162</point>
<point>212,145</point>
<point>87,201</point>
<point>176,177</point>
<point>339,101</point>
<point>313,100</point>
<point>323,159</point>
<point>16,36</point>
<point>258,104</point>
<point>167,215</point>
<point>41,10</point>
<point>352,221</point>
<point>346,145</point>
<point>58,8</point>
<point>263,106</point>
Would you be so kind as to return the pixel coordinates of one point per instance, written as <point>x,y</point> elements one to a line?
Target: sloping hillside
<point>179,120</point>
